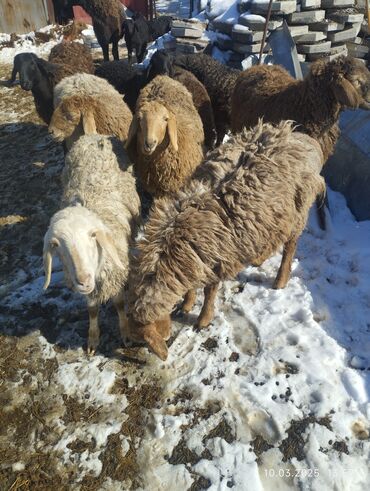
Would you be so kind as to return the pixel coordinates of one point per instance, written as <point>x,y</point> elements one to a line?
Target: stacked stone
<point>188,36</point>
<point>320,28</point>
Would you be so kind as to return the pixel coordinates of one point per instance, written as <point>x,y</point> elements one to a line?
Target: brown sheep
<point>166,137</point>
<point>314,103</point>
<point>86,104</point>
<point>206,234</point>
<point>73,54</point>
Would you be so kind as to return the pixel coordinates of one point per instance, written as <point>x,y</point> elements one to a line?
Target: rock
<point>241,34</point>
<point>326,26</point>
<point>310,38</point>
<point>345,35</point>
<point>307,17</point>
<point>280,8</point>
<point>310,4</point>
<point>314,48</point>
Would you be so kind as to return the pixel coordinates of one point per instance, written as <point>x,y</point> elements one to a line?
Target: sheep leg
<point>321,203</point>
<point>208,310</point>
<point>283,275</point>
<point>122,319</point>
<point>115,50</point>
<point>93,335</point>
<point>189,301</point>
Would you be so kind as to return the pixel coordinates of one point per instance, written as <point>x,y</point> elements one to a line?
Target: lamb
<point>166,136</point>
<point>107,17</point>
<point>73,54</point>
<point>125,78</point>
<point>161,63</point>
<point>314,103</point>
<point>207,234</point>
<point>219,81</point>
<point>86,104</point>
<point>92,232</point>
<point>139,32</point>
<point>42,76</point>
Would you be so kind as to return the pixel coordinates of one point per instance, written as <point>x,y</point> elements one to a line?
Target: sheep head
<point>71,114</point>
<point>81,241</point>
<point>154,334</point>
<point>27,67</point>
<point>150,124</point>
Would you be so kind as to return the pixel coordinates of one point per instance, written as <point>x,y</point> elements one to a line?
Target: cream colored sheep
<point>166,136</point>
<point>209,232</point>
<point>86,104</point>
<point>92,232</point>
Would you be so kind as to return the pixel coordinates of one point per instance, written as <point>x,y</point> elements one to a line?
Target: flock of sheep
<point>211,213</point>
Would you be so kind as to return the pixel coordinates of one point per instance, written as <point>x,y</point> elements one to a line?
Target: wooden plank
<point>22,16</point>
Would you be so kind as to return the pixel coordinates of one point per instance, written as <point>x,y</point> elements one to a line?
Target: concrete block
<point>326,26</point>
<point>357,50</point>
<point>310,4</point>
<point>343,17</point>
<point>245,35</point>
<point>345,35</point>
<point>310,38</point>
<point>298,30</point>
<point>280,8</point>
<point>307,17</point>
<point>330,55</point>
<point>257,22</point>
<point>323,47</point>
<point>184,32</point>
<point>249,49</point>
<point>225,27</point>
<point>327,4</point>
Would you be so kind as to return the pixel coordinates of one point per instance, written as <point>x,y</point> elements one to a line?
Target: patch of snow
<point>215,8</point>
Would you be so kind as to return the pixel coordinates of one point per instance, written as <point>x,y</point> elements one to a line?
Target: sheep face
<point>153,334</point>
<point>80,240</point>
<point>28,70</point>
<point>352,87</point>
<point>151,123</point>
<point>70,115</point>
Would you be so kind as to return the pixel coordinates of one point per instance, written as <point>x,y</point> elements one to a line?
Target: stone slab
<point>311,37</point>
<point>357,50</point>
<point>330,55</point>
<point>326,26</point>
<point>184,32</point>
<point>248,49</point>
<point>247,37</point>
<point>307,17</point>
<point>280,8</point>
<point>345,35</point>
<point>310,4</point>
<point>314,48</point>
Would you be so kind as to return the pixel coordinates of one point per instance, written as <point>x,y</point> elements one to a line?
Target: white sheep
<point>92,232</point>
<point>85,104</point>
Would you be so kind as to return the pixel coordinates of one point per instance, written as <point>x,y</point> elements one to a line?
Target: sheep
<point>93,230</point>
<point>219,81</point>
<point>207,234</point>
<point>161,63</point>
<point>86,104</point>
<point>125,78</point>
<point>107,17</point>
<point>165,139</point>
<point>73,54</point>
<point>314,103</point>
<point>139,32</point>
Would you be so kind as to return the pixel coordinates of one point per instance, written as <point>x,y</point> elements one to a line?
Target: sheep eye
<point>54,244</point>
<point>93,235</point>
<point>165,118</point>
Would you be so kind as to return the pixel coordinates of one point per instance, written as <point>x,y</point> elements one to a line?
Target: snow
<point>215,8</point>
<point>230,16</point>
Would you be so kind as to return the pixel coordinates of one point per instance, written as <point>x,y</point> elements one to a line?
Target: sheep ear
<point>346,94</point>
<point>106,243</point>
<point>172,132</point>
<point>156,343</point>
<point>88,123</point>
<point>134,126</point>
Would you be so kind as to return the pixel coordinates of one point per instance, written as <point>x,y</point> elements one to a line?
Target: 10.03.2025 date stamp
<point>303,473</point>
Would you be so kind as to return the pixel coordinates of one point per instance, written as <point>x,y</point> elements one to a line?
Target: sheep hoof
<point>203,323</point>
<point>92,346</point>
<point>279,284</point>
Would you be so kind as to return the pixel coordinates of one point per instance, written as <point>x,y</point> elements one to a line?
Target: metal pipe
<point>265,32</point>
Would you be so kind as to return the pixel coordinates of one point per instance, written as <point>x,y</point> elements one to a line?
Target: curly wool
<point>108,12</point>
<point>73,54</point>
<point>206,235</point>
<point>166,170</point>
<point>272,93</point>
<point>219,81</point>
<point>88,92</point>
<point>98,175</point>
